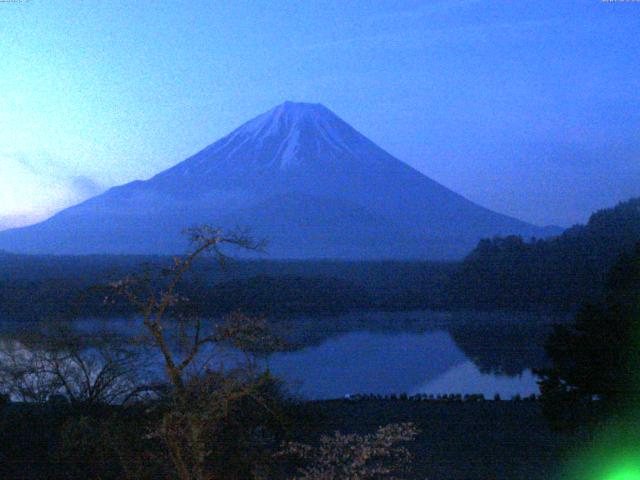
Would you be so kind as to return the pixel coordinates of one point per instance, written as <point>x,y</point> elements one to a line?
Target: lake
<point>385,352</point>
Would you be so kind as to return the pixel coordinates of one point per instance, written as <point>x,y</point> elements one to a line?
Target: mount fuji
<point>297,176</point>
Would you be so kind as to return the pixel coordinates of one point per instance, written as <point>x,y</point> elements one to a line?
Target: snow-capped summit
<point>288,117</point>
<point>299,176</point>
<point>290,113</point>
<point>288,136</point>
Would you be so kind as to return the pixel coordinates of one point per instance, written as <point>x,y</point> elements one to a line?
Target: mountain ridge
<point>296,153</point>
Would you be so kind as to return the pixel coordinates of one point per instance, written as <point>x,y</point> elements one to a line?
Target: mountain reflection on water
<point>389,352</point>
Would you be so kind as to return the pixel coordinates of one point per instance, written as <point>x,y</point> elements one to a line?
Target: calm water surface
<point>391,353</point>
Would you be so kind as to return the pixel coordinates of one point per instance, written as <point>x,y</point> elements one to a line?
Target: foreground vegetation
<point>457,441</point>
<point>202,421</point>
<point>73,409</point>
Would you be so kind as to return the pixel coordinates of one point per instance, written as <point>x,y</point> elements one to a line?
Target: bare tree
<point>153,302</point>
<point>201,406</point>
<point>55,360</point>
<point>211,422</point>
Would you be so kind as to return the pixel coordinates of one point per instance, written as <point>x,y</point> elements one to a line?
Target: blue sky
<point>531,108</point>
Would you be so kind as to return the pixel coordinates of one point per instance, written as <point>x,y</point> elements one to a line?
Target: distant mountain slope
<point>300,177</point>
<point>563,272</point>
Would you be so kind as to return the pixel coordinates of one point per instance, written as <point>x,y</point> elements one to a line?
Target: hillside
<point>562,272</point>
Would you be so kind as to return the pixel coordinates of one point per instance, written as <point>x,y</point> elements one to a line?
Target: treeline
<point>561,273</point>
<point>507,273</point>
<point>596,357</point>
<point>41,287</point>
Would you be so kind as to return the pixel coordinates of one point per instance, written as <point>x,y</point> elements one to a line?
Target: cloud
<point>30,192</point>
<point>12,221</point>
<point>85,187</point>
